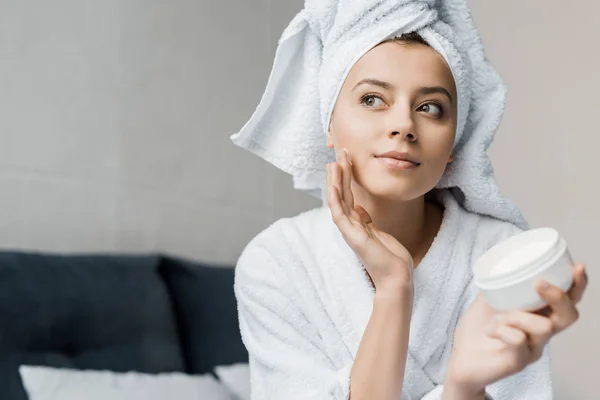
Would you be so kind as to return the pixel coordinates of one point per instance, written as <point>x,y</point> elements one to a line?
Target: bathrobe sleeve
<point>286,357</point>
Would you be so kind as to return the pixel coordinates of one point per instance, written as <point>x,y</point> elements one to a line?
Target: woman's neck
<point>413,223</point>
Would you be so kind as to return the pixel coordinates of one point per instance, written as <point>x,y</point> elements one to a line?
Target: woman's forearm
<point>378,370</point>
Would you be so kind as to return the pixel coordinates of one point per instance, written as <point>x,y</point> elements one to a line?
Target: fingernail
<point>348,156</point>
<point>544,285</point>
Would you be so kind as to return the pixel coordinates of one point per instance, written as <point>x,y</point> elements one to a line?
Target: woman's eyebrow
<point>376,82</point>
<point>436,89</point>
<point>388,86</point>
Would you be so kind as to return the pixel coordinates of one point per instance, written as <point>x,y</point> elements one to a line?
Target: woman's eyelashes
<point>434,109</point>
<point>372,101</point>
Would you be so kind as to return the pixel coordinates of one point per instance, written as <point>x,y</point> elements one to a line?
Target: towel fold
<point>315,54</point>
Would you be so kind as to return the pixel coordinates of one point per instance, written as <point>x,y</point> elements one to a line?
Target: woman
<point>371,297</point>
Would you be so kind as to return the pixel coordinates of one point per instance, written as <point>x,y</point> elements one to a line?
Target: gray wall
<point>115,119</point>
<point>546,154</point>
<point>115,124</point>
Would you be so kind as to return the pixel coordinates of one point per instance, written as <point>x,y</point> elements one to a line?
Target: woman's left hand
<point>491,345</point>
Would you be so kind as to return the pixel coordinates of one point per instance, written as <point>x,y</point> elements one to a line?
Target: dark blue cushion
<point>206,310</point>
<point>85,312</point>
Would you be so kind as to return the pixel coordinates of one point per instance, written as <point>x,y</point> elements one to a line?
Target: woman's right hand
<point>490,345</point>
<point>386,260</point>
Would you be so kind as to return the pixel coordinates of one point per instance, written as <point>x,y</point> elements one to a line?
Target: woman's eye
<point>432,108</point>
<point>372,101</point>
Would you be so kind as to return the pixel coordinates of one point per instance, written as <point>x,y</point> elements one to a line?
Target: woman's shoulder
<point>491,231</point>
<point>299,227</point>
<point>281,244</point>
<point>496,229</point>
<point>485,230</point>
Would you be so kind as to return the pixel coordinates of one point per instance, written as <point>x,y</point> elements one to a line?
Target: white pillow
<point>46,383</point>
<point>236,378</point>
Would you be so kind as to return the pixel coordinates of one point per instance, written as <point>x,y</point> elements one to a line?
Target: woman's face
<point>398,97</point>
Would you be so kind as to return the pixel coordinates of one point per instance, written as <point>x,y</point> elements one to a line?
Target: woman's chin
<point>394,192</point>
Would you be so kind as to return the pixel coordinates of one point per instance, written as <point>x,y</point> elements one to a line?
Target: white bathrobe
<point>304,301</point>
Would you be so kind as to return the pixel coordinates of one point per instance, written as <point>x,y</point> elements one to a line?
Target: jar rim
<point>484,265</point>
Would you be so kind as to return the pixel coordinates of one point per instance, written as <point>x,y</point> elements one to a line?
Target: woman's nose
<point>403,126</point>
<point>409,136</point>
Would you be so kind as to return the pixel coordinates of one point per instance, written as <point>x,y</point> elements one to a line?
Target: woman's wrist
<point>394,291</point>
<point>456,391</point>
<point>396,283</point>
<point>458,388</point>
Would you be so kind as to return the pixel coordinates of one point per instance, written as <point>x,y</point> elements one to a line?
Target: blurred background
<point>115,119</point>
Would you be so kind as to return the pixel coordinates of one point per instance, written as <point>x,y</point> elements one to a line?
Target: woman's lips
<point>394,163</point>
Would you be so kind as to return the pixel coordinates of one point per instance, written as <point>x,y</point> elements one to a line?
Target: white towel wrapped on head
<point>315,54</point>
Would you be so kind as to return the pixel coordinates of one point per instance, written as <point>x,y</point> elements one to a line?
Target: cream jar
<point>508,272</point>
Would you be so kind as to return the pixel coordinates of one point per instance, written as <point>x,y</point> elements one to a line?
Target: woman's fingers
<point>517,352</point>
<point>334,195</point>
<point>564,313</point>
<point>351,221</point>
<point>334,201</point>
<point>363,215</point>
<point>336,181</point>
<point>511,336</point>
<point>561,310</point>
<point>341,176</point>
<point>348,197</point>
<point>580,282</point>
<point>537,328</point>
